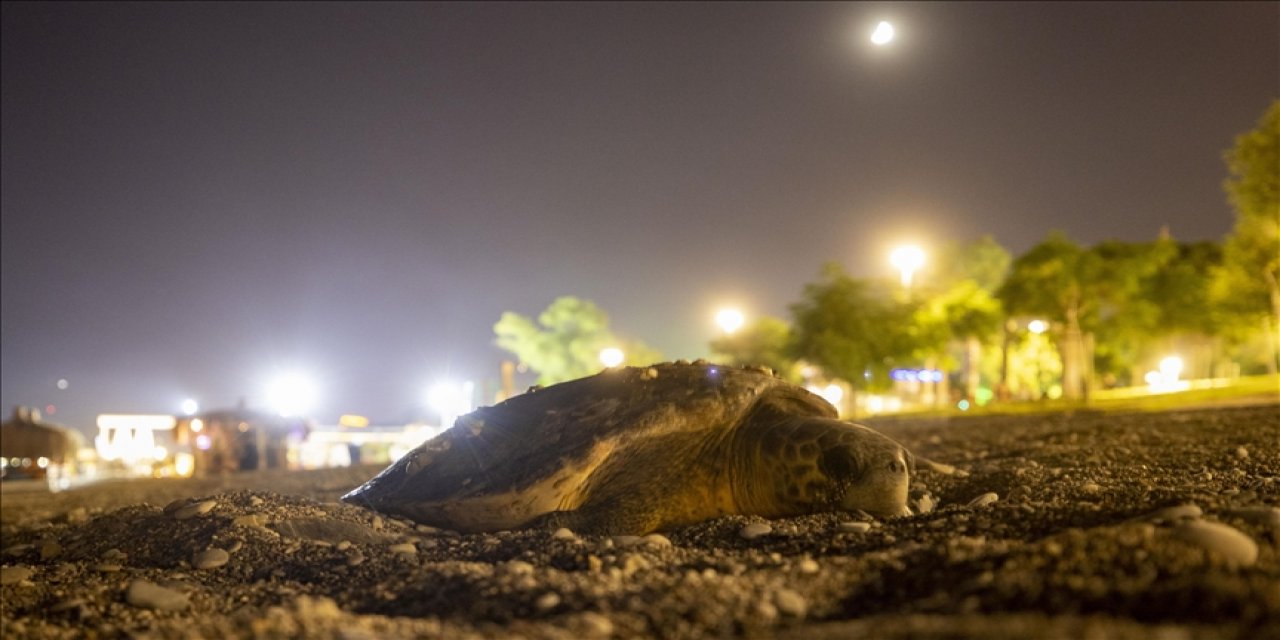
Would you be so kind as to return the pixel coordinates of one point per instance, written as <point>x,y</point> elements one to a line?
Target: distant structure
<point>31,448</point>
<point>240,439</point>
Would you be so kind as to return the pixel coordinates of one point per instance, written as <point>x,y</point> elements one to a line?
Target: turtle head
<point>813,464</point>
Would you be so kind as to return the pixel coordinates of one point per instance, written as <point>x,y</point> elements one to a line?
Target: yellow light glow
<point>611,357</point>
<point>907,259</point>
<point>1037,326</point>
<point>184,464</point>
<point>353,421</point>
<point>197,425</point>
<point>730,320</point>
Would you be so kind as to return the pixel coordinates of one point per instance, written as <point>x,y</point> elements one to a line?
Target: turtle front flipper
<point>602,520</point>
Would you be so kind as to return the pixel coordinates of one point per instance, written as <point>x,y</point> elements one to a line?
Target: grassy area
<point>1244,390</point>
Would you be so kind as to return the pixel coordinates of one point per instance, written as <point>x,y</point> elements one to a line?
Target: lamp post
<point>730,320</point>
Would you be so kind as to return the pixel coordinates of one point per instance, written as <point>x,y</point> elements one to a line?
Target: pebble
<point>406,548</point>
<point>14,575</point>
<point>1224,540</point>
<point>107,567</point>
<point>547,601</point>
<point>925,504</point>
<point>1091,487</point>
<point>596,625</point>
<point>50,549</point>
<point>853,527</point>
<point>808,566</point>
<point>517,568</point>
<point>622,542</point>
<point>987,499</point>
<point>1242,453</point>
<point>255,501</point>
<point>152,596</point>
<point>790,603</point>
<point>563,534</point>
<point>657,540</point>
<point>211,558</point>
<point>355,559</point>
<point>755,530</point>
<point>188,511</point>
<point>342,545</point>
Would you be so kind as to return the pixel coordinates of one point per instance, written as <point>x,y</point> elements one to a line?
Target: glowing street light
<point>291,394</point>
<point>907,259</point>
<point>883,34</point>
<point>450,399</point>
<point>611,357</point>
<point>730,320</point>
<point>1037,326</point>
<point>190,407</point>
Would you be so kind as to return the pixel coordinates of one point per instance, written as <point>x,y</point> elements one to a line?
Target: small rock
<point>14,575</point>
<point>596,625</point>
<point>18,550</point>
<point>355,558</point>
<point>1242,453</point>
<point>547,601</point>
<point>657,540</point>
<point>517,568</point>
<point>194,509</point>
<point>563,534</point>
<point>808,566</point>
<point>50,549</point>
<point>406,548</point>
<point>925,504</point>
<point>152,596</point>
<point>342,545</point>
<point>235,546</point>
<point>853,527</point>
<point>255,501</point>
<point>755,530</point>
<point>987,499</point>
<point>107,567</point>
<point>1091,487</point>
<point>790,603</point>
<point>622,542</point>
<point>1224,540</point>
<point>210,559</point>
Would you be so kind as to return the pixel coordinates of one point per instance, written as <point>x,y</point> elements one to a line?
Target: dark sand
<point>1074,545</point>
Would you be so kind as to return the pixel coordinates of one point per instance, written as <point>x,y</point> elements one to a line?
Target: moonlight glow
<point>883,34</point>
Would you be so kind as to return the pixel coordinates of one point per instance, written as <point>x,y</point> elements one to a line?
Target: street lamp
<point>190,407</point>
<point>907,259</point>
<point>883,33</point>
<point>611,357</point>
<point>730,320</point>
<point>291,394</point>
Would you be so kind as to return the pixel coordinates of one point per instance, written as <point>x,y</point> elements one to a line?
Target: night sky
<point>196,196</point>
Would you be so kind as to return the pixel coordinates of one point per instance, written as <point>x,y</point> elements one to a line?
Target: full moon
<point>883,33</point>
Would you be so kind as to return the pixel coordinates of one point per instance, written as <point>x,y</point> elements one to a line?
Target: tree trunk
<point>972,362</point>
<point>1072,356</point>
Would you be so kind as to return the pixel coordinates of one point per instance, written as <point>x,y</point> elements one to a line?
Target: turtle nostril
<point>895,466</point>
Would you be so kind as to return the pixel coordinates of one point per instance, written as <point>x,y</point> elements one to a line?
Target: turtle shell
<point>559,448</point>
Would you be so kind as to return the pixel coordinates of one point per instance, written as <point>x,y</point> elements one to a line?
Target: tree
<point>566,341</point>
<point>762,342</point>
<point>964,308</point>
<point>843,326</point>
<point>1249,282</point>
<point>1051,281</point>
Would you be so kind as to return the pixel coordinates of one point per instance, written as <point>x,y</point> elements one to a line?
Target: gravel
<point>1162,525</point>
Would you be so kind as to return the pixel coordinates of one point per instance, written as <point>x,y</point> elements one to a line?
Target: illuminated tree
<point>1249,282</point>
<point>962,307</point>
<point>852,332</point>
<point>566,341</point>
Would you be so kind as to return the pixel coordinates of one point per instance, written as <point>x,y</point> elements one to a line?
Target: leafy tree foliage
<point>762,342</point>
<point>850,330</point>
<point>1249,282</point>
<point>566,340</point>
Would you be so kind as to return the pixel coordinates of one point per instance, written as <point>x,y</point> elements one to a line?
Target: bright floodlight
<point>450,399</point>
<point>1037,326</point>
<point>190,407</point>
<point>611,357</point>
<point>907,259</point>
<point>883,34</point>
<point>291,394</point>
<point>730,320</point>
<point>1171,368</point>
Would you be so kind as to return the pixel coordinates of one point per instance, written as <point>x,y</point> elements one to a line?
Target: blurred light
<point>353,421</point>
<point>1167,378</point>
<point>159,453</point>
<point>1037,326</point>
<point>184,464</point>
<point>42,462</point>
<point>907,259</point>
<point>963,405</point>
<point>1171,368</point>
<point>730,320</point>
<point>50,409</point>
<point>203,442</point>
<point>883,33</point>
<point>450,399</point>
<point>611,357</point>
<point>291,394</point>
<point>196,425</point>
<point>190,407</point>
<point>831,393</point>
<point>63,384</point>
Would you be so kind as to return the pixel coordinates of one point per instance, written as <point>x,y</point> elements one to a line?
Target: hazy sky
<point>196,196</point>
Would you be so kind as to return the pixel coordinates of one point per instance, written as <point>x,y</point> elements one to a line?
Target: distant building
<point>35,449</point>
<point>240,440</point>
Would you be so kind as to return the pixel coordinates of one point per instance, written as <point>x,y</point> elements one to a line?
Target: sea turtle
<point>640,449</point>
